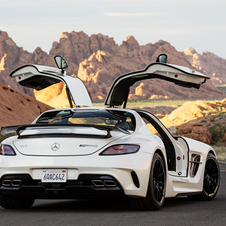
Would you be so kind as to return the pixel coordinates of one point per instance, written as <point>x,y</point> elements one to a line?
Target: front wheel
<point>156,188</point>
<point>20,202</point>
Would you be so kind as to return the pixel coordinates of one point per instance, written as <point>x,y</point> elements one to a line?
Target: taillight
<point>6,150</point>
<point>121,149</point>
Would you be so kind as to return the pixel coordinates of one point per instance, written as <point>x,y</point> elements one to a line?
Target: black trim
<point>69,97</point>
<point>80,188</point>
<point>135,179</point>
<point>188,194</point>
<point>39,82</point>
<point>45,135</point>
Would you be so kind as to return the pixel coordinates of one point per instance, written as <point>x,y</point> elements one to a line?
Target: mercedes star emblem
<point>55,146</point>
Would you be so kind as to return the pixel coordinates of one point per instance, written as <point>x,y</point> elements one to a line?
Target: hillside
<point>18,108</point>
<point>193,119</point>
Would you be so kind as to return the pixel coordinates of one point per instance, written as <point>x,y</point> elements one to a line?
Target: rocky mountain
<point>12,56</point>
<point>97,60</point>
<point>212,65</point>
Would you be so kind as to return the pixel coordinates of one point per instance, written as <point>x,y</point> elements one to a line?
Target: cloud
<point>141,14</point>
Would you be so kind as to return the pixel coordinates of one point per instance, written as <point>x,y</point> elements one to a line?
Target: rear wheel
<point>20,202</point>
<point>211,180</point>
<point>156,189</point>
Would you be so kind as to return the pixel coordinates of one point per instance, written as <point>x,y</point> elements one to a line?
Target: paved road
<point>179,211</point>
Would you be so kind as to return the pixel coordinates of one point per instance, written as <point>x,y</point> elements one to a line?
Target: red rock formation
<point>197,131</point>
<point>12,56</point>
<point>98,60</point>
<point>213,66</point>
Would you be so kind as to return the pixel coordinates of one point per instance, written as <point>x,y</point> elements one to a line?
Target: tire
<point>211,181</point>
<point>156,188</point>
<point>20,202</point>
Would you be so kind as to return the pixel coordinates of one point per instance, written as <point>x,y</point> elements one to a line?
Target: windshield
<point>122,119</point>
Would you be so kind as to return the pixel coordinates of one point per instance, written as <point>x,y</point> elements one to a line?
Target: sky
<point>200,24</point>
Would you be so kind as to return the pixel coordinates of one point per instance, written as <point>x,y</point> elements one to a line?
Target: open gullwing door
<point>39,77</point>
<point>179,75</point>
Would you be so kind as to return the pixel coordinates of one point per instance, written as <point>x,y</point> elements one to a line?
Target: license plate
<point>54,175</point>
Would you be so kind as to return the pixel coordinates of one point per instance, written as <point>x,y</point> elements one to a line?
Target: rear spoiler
<point>18,128</point>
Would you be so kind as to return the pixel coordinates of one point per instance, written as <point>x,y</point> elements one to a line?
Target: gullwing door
<point>179,75</point>
<point>39,77</point>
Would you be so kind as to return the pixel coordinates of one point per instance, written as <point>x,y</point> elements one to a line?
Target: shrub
<point>217,131</point>
<point>212,119</point>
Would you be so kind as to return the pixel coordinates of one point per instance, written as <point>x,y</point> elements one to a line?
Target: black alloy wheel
<point>159,181</point>
<point>211,177</point>
<point>211,180</point>
<point>156,189</point>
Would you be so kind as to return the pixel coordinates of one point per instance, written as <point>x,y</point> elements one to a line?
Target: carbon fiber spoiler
<point>18,128</point>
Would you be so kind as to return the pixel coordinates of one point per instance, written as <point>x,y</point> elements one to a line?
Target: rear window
<point>122,119</point>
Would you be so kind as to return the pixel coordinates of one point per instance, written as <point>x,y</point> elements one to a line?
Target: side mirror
<point>61,63</point>
<point>162,58</point>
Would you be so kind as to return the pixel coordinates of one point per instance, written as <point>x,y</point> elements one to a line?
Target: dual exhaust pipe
<point>96,183</point>
<point>11,183</point>
<point>104,183</point>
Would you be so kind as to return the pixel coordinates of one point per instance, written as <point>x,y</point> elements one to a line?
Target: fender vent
<point>195,161</point>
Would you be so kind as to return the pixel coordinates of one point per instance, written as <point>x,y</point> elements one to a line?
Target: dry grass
<point>151,103</point>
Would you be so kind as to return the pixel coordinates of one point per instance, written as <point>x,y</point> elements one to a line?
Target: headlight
<point>6,150</point>
<point>121,149</point>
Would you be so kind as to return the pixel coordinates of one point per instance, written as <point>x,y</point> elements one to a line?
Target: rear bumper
<point>85,186</point>
<point>131,173</point>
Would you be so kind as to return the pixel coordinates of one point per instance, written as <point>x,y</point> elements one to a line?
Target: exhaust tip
<point>110,183</point>
<point>6,183</point>
<point>16,183</point>
<point>98,183</point>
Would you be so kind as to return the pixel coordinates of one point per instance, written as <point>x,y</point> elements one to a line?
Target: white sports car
<point>87,151</point>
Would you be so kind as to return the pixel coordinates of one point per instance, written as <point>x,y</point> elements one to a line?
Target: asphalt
<point>176,211</point>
